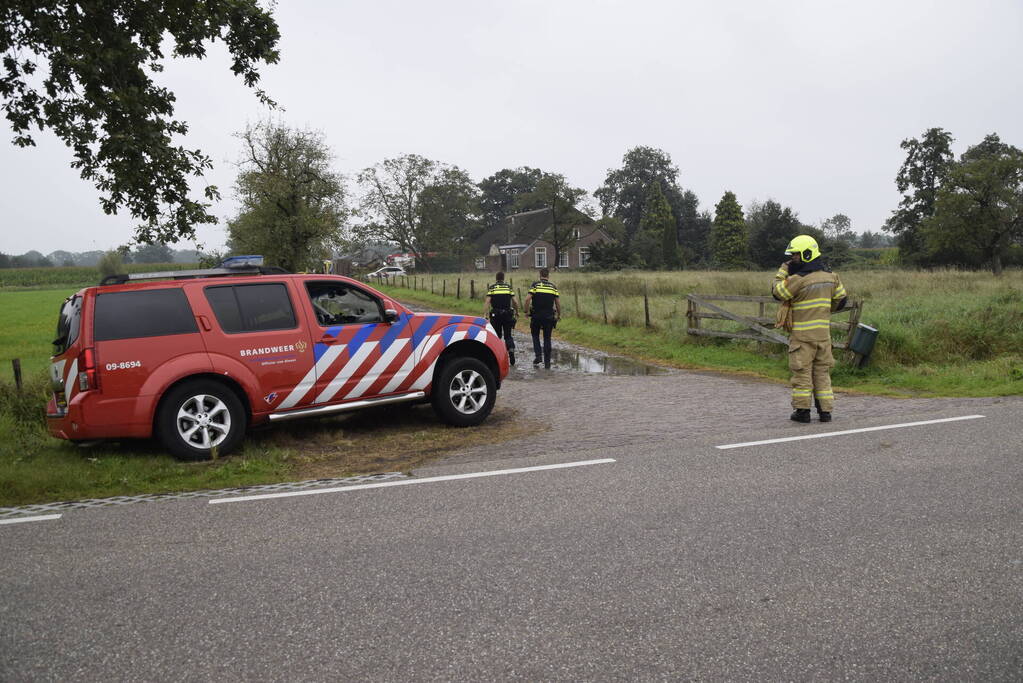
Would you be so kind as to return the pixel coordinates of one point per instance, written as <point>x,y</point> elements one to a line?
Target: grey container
<point>862,342</point>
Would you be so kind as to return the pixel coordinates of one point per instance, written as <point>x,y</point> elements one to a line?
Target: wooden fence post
<point>575,288</point>
<point>762,312</point>
<point>646,306</point>
<point>472,289</point>
<point>458,289</point>
<point>522,302</point>
<point>444,288</point>
<point>16,364</point>
<point>603,304</point>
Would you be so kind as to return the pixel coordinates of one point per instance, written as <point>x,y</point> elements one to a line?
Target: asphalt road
<point>894,554</point>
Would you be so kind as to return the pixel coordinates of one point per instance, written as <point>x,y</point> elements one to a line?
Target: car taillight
<point>87,375</point>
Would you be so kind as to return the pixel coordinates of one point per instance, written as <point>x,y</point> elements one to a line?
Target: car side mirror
<point>390,315</point>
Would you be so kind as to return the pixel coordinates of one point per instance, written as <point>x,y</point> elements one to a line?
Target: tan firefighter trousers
<point>811,363</point>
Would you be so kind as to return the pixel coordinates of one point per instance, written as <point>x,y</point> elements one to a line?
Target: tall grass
<point>925,317</point>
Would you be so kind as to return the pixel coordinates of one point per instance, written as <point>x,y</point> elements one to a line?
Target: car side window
<point>338,303</point>
<point>252,308</point>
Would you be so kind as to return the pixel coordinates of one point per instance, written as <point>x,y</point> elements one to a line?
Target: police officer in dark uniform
<point>544,310</point>
<point>502,310</point>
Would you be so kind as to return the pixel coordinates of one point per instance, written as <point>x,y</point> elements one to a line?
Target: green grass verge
<point>1001,375</point>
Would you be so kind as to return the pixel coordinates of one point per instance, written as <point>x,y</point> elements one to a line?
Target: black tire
<point>457,392</point>
<point>219,414</point>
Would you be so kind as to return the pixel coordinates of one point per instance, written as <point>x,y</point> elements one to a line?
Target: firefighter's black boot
<point>800,415</point>
<point>824,416</point>
<point>537,360</point>
<point>511,357</point>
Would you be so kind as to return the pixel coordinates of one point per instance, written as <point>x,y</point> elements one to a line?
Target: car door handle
<point>204,323</point>
<point>327,339</point>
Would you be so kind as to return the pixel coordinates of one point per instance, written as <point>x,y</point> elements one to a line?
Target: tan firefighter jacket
<point>810,299</point>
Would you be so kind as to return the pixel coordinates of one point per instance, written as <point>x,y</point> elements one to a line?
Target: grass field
<point>74,276</point>
<point>942,334</point>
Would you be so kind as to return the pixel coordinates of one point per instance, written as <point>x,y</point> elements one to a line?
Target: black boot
<point>511,357</point>
<point>824,416</point>
<point>537,360</point>
<point>800,415</point>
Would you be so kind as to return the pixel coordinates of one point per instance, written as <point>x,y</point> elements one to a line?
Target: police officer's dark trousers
<point>502,321</point>
<point>545,324</point>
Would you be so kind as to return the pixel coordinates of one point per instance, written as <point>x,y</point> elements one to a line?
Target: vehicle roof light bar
<point>122,278</point>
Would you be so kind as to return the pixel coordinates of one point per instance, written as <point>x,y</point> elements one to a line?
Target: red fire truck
<point>196,357</point>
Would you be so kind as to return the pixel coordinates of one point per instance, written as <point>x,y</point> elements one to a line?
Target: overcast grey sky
<point>802,102</point>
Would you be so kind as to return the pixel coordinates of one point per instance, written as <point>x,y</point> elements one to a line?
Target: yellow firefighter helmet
<point>805,246</point>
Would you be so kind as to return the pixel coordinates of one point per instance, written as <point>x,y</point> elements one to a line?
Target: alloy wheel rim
<point>468,392</point>
<point>203,421</point>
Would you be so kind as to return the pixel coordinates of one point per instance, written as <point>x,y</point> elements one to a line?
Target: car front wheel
<point>464,392</point>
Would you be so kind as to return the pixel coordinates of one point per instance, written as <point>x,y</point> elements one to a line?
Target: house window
<point>541,257</point>
<point>513,258</point>
<point>584,256</point>
<point>481,263</point>
<point>563,259</point>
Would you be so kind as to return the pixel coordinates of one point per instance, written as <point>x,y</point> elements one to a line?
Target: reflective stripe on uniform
<point>782,291</point>
<point>801,392</point>
<point>811,324</point>
<point>839,293</point>
<point>824,394</point>
<point>811,303</point>
<point>543,289</point>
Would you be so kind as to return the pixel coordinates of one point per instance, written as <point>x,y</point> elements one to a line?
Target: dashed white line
<point>37,518</point>
<point>848,431</point>
<point>408,482</point>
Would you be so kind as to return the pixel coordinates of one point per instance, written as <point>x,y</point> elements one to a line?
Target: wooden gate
<point>760,327</point>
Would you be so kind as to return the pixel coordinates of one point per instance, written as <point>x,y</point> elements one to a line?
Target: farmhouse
<point>528,240</point>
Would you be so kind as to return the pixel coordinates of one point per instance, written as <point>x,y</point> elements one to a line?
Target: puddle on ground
<point>573,358</point>
<point>581,361</point>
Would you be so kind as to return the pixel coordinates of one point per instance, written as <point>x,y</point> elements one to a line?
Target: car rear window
<point>151,313</point>
<point>68,324</point>
<point>252,308</point>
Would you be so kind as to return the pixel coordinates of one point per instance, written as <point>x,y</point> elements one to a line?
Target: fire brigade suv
<point>197,357</point>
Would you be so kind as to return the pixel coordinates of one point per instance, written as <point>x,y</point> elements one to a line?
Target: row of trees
<point>962,212</point>
<point>295,208</point>
<point>143,253</point>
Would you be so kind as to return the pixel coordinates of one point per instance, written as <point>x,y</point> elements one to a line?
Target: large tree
<point>418,204</point>
<point>979,211</point>
<point>928,162</point>
<point>84,70</point>
<point>553,191</point>
<point>501,194</point>
<point>693,230</point>
<point>729,240</point>
<point>625,190</point>
<point>656,242</point>
<point>448,212</point>
<point>292,203</point>
<point>771,227</point>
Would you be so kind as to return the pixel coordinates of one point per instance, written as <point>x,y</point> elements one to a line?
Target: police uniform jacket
<point>544,293</point>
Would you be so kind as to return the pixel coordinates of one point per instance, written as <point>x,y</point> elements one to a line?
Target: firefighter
<point>812,293</point>
<point>502,309</point>
<point>544,310</point>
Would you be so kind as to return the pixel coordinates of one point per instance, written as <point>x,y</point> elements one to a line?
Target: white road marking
<point>848,431</point>
<point>37,518</point>
<point>407,482</point>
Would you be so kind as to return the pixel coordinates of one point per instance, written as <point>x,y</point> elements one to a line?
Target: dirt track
<point>587,409</point>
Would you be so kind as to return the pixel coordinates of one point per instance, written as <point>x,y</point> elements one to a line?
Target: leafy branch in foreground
<point>83,70</point>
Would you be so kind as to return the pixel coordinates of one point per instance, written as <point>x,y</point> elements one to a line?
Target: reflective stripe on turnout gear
<point>499,288</point>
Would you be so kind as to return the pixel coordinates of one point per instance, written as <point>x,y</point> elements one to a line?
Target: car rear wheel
<point>200,418</point>
<point>464,392</point>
